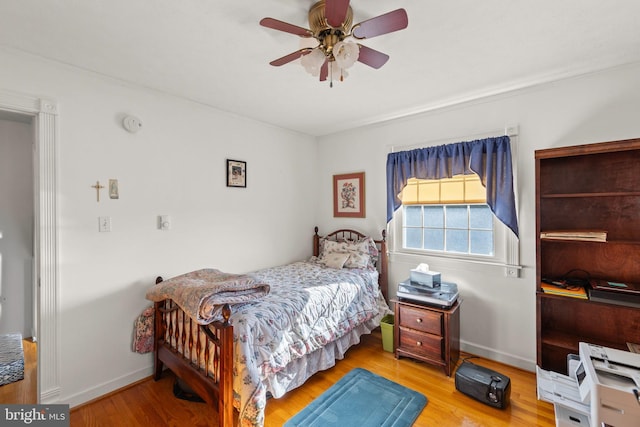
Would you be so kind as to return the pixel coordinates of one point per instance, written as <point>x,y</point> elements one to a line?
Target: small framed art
<point>348,195</point>
<point>113,189</point>
<point>236,173</point>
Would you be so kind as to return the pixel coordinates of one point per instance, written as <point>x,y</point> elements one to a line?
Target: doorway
<point>44,115</point>
<point>17,284</point>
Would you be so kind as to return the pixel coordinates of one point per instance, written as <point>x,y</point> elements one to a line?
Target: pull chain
<point>330,74</point>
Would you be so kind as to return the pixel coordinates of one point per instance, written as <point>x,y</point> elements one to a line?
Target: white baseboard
<point>498,356</point>
<point>50,396</point>
<point>107,387</point>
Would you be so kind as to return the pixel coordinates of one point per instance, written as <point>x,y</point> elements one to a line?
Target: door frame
<point>46,300</point>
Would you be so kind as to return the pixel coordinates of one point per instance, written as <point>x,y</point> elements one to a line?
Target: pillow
<point>357,260</point>
<point>363,252</point>
<point>333,246</point>
<point>368,245</point>
<point>335,259</point>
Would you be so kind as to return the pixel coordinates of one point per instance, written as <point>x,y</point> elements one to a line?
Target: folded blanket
<point>198,293</point>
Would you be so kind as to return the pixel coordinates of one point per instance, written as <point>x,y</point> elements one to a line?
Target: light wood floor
<point>152,403</point>
<point>25,390</point>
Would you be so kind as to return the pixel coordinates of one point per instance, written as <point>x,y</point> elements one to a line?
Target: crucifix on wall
<point>98,187</point>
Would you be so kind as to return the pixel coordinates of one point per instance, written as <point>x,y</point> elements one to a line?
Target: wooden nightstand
<point>427,333</point>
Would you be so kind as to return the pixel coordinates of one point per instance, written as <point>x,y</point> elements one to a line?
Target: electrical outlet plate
<point>164,222</point>
<point>512,272</point>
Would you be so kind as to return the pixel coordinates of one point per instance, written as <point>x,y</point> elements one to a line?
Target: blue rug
<point>11,358</point>
<point>362,399</point>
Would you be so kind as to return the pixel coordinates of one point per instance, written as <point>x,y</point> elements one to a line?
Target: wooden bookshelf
<point>587,187</point>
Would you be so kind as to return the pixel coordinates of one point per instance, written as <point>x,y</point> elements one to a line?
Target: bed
<point>312,312</point>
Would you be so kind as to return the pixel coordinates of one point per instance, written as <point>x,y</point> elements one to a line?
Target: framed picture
<point>236,173</point>
<point>348,195</point>
<point>113,189</point>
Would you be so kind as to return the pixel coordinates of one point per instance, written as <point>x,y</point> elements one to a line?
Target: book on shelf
<point>568,291</point>
<point>627,294</point>
<point>617,287</point>
<point>582,235</point>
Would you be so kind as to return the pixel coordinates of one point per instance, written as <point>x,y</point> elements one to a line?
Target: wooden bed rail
<point>190,349</point>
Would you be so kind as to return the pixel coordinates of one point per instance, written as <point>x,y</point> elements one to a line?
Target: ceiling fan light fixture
<point>331,24</point>
<point>313,61</point>
<point>345,53</point>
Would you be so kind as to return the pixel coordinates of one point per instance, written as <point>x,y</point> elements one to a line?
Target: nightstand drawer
<point>426,345</point>
<point>421,320</point>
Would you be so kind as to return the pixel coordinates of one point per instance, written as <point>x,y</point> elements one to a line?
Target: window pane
<point>434,239</point>
<point>480,217</point>
<point>457,217</point>
<point>481,242</point>
<point>413,216</point>
<point>413,238</point>
<point>434,216</point>
<point>457,241</point>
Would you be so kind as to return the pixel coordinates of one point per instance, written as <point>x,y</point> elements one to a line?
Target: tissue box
<point>430,279</point>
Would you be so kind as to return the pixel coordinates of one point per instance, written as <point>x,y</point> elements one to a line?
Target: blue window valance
<point>489,158</point>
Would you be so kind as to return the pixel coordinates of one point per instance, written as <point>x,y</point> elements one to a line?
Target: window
<point>446,212</point>
<point>448,215</point>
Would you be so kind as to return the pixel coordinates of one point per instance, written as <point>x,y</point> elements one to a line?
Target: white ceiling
<point>215,52</point>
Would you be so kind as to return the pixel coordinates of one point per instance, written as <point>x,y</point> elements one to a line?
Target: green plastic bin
<point>386,324</point>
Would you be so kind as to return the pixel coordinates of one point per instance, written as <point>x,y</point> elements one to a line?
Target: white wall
<point>16,228</point>
<point>175,166</point>
<point>498,313</point>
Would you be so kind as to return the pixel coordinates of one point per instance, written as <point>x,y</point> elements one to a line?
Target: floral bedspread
<point>309,306</point>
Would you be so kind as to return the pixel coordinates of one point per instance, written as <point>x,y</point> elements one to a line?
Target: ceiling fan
<point>331,24</point>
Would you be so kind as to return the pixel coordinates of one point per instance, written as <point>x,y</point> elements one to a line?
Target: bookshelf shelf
<point>609,242</point>
<point>587,195</point>
<point>586,187</point>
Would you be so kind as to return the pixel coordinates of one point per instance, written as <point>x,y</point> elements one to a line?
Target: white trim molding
<point>45,114</point>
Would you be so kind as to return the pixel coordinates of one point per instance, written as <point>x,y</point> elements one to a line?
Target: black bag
<point>483,384</point>
<point>182,391</point>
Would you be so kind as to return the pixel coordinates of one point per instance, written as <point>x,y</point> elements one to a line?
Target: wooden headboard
<point>354,236</point>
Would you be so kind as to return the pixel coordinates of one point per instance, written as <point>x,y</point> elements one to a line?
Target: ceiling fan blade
<point>290,57</point>
<point>324,71</point>
<point>383,24</point>
<point>372,57</point>
<point>286,27</point>
<point>335,11</point>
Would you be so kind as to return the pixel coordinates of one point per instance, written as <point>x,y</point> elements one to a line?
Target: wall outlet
<point>164,222</point>
<point>512,272</point>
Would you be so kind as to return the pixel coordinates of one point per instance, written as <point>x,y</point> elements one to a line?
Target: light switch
<point>104,223</point>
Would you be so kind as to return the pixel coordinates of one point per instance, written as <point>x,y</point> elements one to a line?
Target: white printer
<point>603,388</point>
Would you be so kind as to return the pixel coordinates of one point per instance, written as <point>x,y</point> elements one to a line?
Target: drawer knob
<point>419,343</point>
<point>419,320</point>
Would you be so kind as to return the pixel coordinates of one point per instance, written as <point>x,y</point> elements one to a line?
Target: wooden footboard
<point>202,356</point>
